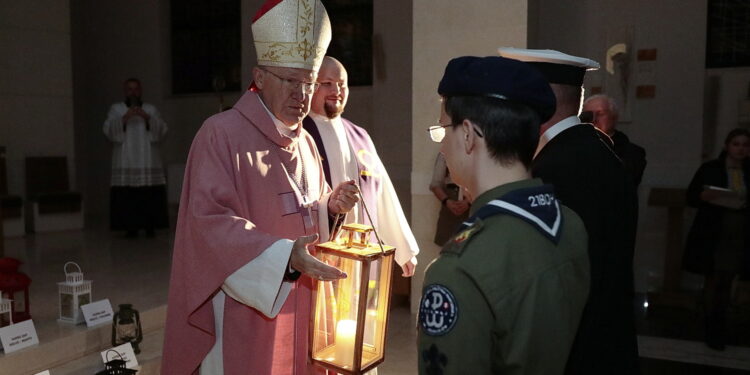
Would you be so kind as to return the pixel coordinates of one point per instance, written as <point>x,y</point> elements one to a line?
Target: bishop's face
<point>286,92</point>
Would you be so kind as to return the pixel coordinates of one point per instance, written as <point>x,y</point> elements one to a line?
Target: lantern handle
<point>65,267</point>
<point>335,232</point>
<point>362,200</point>
<point>106,355</point>
<point>336,227</point>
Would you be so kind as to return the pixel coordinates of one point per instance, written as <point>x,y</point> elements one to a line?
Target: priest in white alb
<point>254,196</point>
<point>348,153</point>
<point>138,193</point>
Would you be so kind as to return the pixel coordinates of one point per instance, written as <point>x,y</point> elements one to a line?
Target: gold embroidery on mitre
<point>293,38</point>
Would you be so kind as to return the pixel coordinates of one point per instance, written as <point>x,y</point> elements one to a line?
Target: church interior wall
<point>732,105</point>
<point>36,89</point>
<point>441,32</point>
<point>61,75</point>
<point>113,41</point>
<point>669,125</point>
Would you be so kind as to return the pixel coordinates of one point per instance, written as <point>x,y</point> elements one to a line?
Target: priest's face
<point>286,92</point>
<point>132,89</point>
<point>330,99</point>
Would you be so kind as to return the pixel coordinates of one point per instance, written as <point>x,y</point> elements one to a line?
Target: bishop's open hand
<point>343,198</point>
<point>302,261</point>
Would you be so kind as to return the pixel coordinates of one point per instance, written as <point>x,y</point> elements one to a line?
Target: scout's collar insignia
<point>438,310</point>
<point>535,205</point>
<point>463,236</point>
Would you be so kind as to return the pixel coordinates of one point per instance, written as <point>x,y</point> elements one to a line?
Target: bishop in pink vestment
<point>237,201</point>
<point>253,184</point>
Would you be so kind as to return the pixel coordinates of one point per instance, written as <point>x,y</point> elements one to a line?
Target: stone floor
<point>137,271</point>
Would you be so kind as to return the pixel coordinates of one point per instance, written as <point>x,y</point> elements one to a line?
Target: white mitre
<point>291,33</point>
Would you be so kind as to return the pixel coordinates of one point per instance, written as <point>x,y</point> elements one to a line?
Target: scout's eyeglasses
<point>293,84</point>
<point>437,132</point>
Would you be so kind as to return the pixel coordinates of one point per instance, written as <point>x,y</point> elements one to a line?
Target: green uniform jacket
<point>513,297</point>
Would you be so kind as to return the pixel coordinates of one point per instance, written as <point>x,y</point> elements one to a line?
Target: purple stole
<point>371,170</point>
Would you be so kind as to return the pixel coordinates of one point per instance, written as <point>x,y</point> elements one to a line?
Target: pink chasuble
<point>237,200</point>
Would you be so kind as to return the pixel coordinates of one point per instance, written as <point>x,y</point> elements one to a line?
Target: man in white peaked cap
<point>589,178</point>
<point>254,196</point>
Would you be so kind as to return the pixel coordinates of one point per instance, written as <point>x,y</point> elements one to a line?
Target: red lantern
<point>15,286</point>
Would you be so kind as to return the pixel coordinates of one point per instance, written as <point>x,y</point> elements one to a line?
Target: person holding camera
<point>138,194</point>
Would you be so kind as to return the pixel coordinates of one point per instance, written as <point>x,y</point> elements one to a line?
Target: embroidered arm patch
<point>438,310</point>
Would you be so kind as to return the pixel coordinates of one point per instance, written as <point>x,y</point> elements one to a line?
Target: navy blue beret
<point>501,78</point>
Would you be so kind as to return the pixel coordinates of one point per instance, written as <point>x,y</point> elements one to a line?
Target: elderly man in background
<point>604,115</point>
<point>348,152</point>
<point>254,196</point>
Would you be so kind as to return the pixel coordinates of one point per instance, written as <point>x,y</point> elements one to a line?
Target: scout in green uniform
<point>505,295</point>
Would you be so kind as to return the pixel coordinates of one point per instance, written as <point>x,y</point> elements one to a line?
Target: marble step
<point>61,344</point>
<point>149,359</point>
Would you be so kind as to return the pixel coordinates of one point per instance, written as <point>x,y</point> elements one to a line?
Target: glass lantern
<point>74,293</point>
<point>6,312</point>
<point>115,366</point>
<point>350,315</point>
<point>15,286</point>
<point>126,327</point>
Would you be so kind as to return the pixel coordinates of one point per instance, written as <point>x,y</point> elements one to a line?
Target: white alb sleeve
<point>260,283</point>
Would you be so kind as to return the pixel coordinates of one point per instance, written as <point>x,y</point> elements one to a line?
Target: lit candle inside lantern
<point>345,332</point>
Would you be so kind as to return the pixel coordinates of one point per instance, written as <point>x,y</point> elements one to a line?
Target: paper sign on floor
<point>18,336</point>
<point>98,312</point>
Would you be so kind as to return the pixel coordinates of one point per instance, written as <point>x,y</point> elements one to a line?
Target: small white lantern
<point>6,315</point>
<point>74,293</point>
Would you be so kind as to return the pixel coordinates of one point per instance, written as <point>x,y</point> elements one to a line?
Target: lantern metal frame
<point>76,287</point>
<point>367,254</point>
<point>6,307</point>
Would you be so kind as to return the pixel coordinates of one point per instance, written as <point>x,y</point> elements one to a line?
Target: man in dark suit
<point>604,116</point>
<point>589,178</point>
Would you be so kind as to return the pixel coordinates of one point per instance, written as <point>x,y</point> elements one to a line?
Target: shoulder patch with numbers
<point>535,205</point>
<point>438,310</point>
